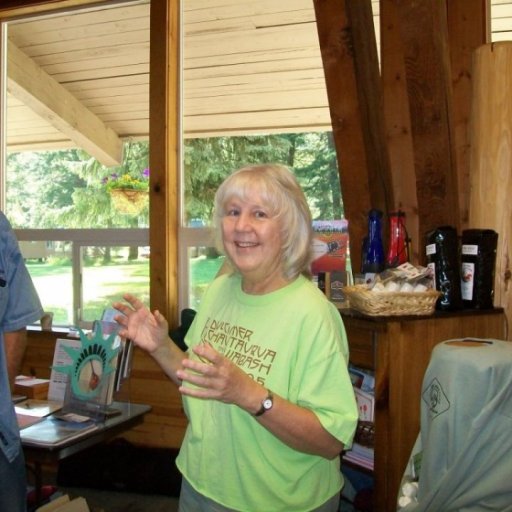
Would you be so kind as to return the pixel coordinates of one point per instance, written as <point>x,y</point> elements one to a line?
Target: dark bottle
<point>373,255</point>
<point>442,251</point>
<point>478,263</point>
<point>397,251</point>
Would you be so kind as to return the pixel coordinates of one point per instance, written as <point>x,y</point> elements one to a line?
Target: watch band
<point>266,404</point>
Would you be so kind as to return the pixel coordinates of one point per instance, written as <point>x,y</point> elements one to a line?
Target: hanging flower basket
<point>129,201</point>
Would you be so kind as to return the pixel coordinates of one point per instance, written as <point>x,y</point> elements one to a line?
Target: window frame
<point>80,238</point>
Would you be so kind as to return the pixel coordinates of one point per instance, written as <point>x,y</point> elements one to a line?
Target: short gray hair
<point>281,192</point>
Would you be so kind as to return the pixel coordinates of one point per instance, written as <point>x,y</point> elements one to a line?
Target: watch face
<point>267,403</point>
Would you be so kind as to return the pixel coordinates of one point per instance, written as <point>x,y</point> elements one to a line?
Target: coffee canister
<point>478,264</point>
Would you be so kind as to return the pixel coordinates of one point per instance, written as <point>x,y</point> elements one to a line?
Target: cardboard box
<point>65,504</point>
<point>32,387</point>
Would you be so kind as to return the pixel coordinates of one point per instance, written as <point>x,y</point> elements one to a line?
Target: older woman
<point>265,384</point>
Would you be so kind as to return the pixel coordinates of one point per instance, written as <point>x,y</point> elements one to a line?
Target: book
<point>358,460</point>
<point>58,379</point>
<point>330,242</point>
<point>365,404</point>
<point>363,451</point>
<point>51,431</point>
<point>31,387</point>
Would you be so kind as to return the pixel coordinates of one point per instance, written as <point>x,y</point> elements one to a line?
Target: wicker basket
<point>391,303</point>
<point>129,201</point>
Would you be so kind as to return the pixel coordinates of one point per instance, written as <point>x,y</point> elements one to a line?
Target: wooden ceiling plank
<point>285,121</point>
<point>139,52</point>
<point>245,23</point>
<point>94,45</point>
<point>285,100</point>
<point>203,10</point>
<point>121,72</point>
<point>44,26</point>
<point>264,40</point>
<point>309,63</point>
<point>51,101</point>
<point>255,57</point>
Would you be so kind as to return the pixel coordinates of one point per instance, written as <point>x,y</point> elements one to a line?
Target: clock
<point>90,364</point>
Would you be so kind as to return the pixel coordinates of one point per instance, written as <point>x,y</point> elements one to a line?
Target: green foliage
<point>311,156</point>
<point>66,189</point>
<point>69,189</point>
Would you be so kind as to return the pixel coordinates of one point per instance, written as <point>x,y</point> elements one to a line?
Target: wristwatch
<point>266,404</point>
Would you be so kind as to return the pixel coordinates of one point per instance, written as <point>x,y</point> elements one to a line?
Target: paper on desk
<point>38,408</point>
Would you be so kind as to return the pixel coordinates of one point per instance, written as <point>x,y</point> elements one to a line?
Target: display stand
<point>96,369</point>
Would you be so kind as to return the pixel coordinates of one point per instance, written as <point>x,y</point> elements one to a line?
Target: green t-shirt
<point>294,343</point>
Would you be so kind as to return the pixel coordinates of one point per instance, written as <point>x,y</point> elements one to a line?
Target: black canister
<point>442,251</point>
<point>478,264</point>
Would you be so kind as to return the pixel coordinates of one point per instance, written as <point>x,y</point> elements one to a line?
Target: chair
<point>462,459</point>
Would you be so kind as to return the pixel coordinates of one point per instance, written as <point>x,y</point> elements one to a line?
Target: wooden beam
<point>423,28</point>
<point>398,123</point>
<point>349,53</point>
<point>29,83</point>
<point>164,157</point>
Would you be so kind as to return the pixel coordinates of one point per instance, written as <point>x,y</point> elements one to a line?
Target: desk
<point>131,415</point>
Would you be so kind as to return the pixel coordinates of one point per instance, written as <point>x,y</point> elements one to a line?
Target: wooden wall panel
<point>466,23</point>
<point>398,123</point>
<point>491,159</point>
<point>467,30</point>
<point>347,43</point>
<point>423,27</point>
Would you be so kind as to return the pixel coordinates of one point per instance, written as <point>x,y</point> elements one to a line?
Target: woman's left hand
<point>215,377</point>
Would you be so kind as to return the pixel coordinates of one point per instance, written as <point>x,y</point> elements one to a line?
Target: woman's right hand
<point>149,331</point>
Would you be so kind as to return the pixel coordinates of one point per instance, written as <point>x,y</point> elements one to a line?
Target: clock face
<point>89,374</point>
<point>90,366</point>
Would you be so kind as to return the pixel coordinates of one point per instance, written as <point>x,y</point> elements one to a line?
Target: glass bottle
<point>373,256</point>
<point>397,249</point>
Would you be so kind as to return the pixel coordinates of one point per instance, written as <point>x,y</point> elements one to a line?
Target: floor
<point>111,501</point>
<point>108,501</point>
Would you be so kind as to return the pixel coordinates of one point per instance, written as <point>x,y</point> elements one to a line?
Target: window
<point>312,157</point>
<point>76,179</point>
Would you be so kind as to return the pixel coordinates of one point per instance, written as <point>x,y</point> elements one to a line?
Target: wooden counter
<point>398,349</point>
